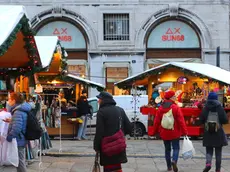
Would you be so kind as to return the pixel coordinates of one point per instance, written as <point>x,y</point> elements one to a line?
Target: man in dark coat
<point>216,139</point>
<point>83,112</point>
<point>108,120</point>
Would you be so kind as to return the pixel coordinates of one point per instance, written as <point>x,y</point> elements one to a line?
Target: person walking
<point>170,136</point>
<point>83,112</point>
<point>111,119</point>
<point>213,117</point>
<point>17,125</point>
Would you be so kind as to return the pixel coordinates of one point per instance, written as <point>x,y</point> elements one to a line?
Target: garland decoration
<point>34,64</point>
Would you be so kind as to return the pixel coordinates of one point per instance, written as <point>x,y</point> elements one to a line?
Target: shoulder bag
<point>115,144</point>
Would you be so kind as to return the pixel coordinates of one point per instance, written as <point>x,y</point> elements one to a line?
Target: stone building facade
<point>108,40</point>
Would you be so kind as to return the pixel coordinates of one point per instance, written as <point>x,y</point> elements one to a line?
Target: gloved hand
<point>9,138</point>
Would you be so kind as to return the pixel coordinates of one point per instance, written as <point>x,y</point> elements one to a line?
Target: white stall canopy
<point>206,70</point>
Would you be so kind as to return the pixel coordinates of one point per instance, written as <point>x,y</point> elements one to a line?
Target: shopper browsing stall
<point>17,127</point>
<point>213,117</point>
<point>84,111</point>
<point>170,134</point>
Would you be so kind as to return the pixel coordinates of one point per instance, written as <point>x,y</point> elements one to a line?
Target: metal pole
<point>135,109</point>
<point>218,56</point>
<point>40,152</point>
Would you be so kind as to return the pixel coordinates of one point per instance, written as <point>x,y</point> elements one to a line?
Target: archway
<point>172,40</point>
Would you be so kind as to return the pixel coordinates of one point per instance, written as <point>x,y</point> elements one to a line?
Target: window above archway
<point>69,35</point>
<point>173,34</point>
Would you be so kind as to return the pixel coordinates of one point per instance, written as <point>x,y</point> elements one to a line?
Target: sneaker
<point>78,139</point>
<point>207,168</point>
<point>175,168</point>
<point>84,138</point>
<point>169,169</point>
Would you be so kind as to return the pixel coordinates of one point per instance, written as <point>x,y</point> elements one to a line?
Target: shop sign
<point>62,34</point>
<point>69,35</point>
<point>182,80</point>
<point>173,34</point>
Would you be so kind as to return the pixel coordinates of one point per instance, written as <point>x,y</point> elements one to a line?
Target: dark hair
<point>18,97</point>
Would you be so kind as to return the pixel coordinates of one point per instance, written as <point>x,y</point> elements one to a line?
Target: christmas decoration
<point>34,64</point>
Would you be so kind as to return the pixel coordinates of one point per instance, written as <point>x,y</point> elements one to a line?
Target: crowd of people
<point>113,124</point>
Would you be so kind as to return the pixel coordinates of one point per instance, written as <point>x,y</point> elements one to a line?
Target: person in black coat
<point>83,113</point>
<point>108,120</point>
<point>216,139</point>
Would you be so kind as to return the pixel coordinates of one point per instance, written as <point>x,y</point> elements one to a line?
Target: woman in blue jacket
<point>17,126</point>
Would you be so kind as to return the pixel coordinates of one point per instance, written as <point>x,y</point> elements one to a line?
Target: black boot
<point>207,168</point>
<point>175,168</point>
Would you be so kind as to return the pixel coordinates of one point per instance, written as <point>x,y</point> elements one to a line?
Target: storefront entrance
<point>115,74</point>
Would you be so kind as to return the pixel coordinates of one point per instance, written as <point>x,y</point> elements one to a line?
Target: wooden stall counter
<point>69,127</point>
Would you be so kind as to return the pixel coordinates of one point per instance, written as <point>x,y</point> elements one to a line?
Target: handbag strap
<point>120,118</point>
<point>96,157</point>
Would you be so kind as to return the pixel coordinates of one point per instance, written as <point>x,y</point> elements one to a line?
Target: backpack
<point>167,121</point>
<point>212,123</point>
<point>33,128</point>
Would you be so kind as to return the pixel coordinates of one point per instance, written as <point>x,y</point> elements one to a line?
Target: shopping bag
<point>96,166</point>
<point>9,153</point>
<point>188,150</point>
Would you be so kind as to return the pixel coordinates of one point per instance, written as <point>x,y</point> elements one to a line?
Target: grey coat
<point>219,138</point>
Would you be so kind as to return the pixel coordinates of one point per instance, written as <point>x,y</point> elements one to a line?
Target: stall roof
<point>10,15</point>
<point>46,46</point>
<point>85,81</point>
<point>207,70</point>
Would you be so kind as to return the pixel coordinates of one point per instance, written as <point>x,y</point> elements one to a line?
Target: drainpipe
<point>218,56</point>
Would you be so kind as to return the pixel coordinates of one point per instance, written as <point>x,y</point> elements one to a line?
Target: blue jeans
<point>176,148</point>
<point>82,127</point>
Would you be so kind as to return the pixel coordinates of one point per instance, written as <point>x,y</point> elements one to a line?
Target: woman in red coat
<point>170,136</point>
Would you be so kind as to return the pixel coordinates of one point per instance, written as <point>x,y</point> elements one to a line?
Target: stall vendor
<point>61,97</point>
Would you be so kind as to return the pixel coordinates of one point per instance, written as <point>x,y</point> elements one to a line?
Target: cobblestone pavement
<point>143,156</point>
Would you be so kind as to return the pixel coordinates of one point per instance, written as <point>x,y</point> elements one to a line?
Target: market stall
<point>19,57</point>
<point>191,81</point>
<point>60,91</point>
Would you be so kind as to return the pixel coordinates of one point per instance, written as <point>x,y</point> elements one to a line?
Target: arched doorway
<point>172,40</point>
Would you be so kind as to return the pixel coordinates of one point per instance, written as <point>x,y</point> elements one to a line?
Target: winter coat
<point>107,125</point>
<point>18,124</point>
<point>83,106</point>
<point>219,138</point>
<point>179,122</point>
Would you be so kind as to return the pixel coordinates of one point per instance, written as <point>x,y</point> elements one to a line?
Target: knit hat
<point>104,95</point>
<point>212,96</point>
<point>84,92</point>
<point>169,94</point>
